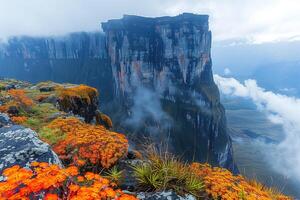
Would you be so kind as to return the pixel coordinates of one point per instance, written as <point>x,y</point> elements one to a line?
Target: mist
<point>254,21</point>
<point>280,109</point>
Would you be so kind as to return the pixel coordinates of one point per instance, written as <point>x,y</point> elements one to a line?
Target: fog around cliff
<point>248,20</point>
<point>280,109</point>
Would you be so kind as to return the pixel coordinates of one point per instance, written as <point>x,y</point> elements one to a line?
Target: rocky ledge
<point>21,146</point>
<point>48,150</point>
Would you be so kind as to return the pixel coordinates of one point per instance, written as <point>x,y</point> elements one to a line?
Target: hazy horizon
<point>252,21</point>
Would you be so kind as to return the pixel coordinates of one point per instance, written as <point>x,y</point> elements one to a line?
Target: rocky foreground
<point>55,143</point>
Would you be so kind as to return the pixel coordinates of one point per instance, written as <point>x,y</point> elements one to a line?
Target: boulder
<point>13,110</point>
<point>167,195</point>
<point>21,146</point>
<point>10,87</point>
<point>4,120</point>
<point>47,88</point>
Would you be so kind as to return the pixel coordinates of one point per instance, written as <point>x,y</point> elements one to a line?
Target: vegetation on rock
<point>91,148</point>
<point>80,100</point>
<point>162,171</point>
<point>92,144</point>
<point>51,182</point>
<point>221,183</point>
<point>102,119</point>
<point>19,119</point>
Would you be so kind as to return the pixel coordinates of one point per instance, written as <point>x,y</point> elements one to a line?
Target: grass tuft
<point>162,171</point>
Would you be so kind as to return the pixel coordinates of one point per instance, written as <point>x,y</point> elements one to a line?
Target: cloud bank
<point>251,20</point>
<point>281,109</point>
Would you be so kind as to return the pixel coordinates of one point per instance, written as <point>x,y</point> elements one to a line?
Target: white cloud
<point>227,71</point>
<point>281,109</point>
<point>253,20</point>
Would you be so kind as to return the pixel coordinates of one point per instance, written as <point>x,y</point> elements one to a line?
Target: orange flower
<point>81,162</point>
<point>80,178</point>
<point>89,176</point>
<point>34,164</point>
<point>92,144</point>
<point>24,184</point>
<point>110,192</point>
<point>9,171</point>
<point>73,188</point>
<point>19,119</point>
<point>51,197</point>
<point>73,171</point>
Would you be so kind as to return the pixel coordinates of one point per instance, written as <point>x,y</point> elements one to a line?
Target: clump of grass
<point>51,136</point>
<point>33,123</point>
<point>115,175</point>
<point>162,171</point>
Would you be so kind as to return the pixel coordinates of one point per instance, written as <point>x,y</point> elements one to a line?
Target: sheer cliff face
<point>76,58</point>
<point>154,77</point>
<point>156,51</point>
<point>165,64</point>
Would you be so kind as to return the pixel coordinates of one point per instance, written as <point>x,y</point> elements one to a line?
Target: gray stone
<point>167,195</point>
<point>4,120</point>
<point>21,146</point>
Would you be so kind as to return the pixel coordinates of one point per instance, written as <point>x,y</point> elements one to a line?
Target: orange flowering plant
<point>47,181</point>
<point>20,97</point>
<point>85,143</point>
<point>19,119</point>
<point>222,184</point>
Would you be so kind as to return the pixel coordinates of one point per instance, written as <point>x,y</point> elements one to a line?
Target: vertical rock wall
<point>170,58</point>
<point>154,76</point>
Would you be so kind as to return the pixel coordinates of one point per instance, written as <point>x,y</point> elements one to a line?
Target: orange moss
<point>137,154</point>
<point>102,119</point>
<point>81,91</point>
<point>20,97</point>
<point>19,119</point>
<point>56,183</point>
<point>221,183</point>
<point>41,97</point>
<point>85,142</point>
<point>3,109</point>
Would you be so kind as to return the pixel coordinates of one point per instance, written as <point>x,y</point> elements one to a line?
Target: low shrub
<point>94,144</point>
<point>19,119</point>
<point>51,136</point>
<point>102,119</point>
<point>20,97</point>
<point>51,182</point>
<point>222,184</point>
<point>81,91</point>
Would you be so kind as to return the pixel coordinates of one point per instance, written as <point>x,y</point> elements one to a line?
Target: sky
<point>254,21</point>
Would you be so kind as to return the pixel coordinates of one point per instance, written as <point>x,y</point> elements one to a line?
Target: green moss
<point>2,86</point>
<point>32,93</point>
<point>39,115</point>
<point>51,136</point>
<point>33,123</point>
<point>43,110</point>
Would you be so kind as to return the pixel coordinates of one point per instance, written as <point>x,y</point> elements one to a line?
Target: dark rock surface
<point>4,120</point>
<point>165,64</point>
<point>78,58</point>
<point>21,146</point>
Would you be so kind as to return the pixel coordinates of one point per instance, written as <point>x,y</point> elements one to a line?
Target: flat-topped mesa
<point>153,73</point>
<point>201,20</point>
<point>156,50</point>
<point>171,58</point>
